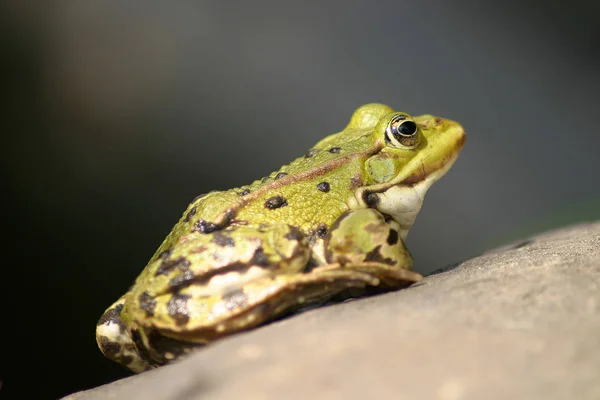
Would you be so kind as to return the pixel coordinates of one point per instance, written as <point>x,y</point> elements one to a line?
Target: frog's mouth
<point>402,200</point>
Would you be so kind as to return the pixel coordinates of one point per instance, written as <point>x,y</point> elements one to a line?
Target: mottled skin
<point>331,220</point>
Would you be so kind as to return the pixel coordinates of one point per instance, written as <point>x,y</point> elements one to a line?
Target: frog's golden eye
<point>402,131</point>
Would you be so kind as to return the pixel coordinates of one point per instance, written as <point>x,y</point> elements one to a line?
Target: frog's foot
<point>297,291</point>
<point>387,275</point>
<point>115,342</point>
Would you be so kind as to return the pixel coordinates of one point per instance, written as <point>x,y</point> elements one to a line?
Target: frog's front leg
<point>361,250</point>
<point>364,240</point>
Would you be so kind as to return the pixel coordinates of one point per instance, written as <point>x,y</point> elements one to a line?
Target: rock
<point>518,322</point>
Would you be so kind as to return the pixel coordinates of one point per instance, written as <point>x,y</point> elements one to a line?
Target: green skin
<point>332,220</point>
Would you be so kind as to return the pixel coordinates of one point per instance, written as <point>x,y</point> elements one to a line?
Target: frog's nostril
<point>462,140</point>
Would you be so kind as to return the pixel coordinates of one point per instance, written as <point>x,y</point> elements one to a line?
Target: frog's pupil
<point>407,128</point>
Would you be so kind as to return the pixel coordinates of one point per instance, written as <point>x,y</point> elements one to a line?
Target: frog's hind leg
<point>114,340</point>
<point>386,275</point>
<point>287,293</point>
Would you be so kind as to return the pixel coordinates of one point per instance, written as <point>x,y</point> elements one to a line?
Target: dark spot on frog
<point>355,182</point>
<point>371,199</point>
<point>126,360</point>
<point>235,299</point>
<point>180,282</point>
<point>113,315</point>
<point>311,153</point>
<point>165,254</point>
<point>265,179</point>
<point>375,255</point>
<point>343,259</point>
<point>324,187</point>
<point>294,234</point>
<point>373,228</point>
<point>392,237</point>
<point>245,192</point>
<point>280,175</point>
<point>259,258</point>
<point>220,239</point>
<point>200,249</point>
<point>136,338</point>
<point>335,150</point>
<point>190,214</point>
<point>413,180</point>
<point>275,202</point>
<point>166,266</point>
<point>177,308</point>
<point>162,345</point>
<point>310,265</point>
<point>227,218</point>
<point>109,348</point>
<point>203,226</point>
<point>147,303</point>
<point>181,279</point>
<point>319,232</point>
<point>140,347</point>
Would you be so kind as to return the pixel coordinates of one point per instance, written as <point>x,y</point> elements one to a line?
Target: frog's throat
<point>402,201</point>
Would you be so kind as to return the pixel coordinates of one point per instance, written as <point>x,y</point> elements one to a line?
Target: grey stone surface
<point>518,322</point>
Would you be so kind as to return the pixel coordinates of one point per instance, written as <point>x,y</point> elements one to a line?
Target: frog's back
<point>309,193</point>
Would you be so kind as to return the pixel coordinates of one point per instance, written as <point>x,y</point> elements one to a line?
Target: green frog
<point>331,221</point>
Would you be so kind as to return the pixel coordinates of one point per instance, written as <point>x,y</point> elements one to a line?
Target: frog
<point>332,221</point>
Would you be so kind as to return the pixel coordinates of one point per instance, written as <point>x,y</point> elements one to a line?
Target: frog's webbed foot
<point>385,275</point>
<point>114,340</point>
<point>297,291</point>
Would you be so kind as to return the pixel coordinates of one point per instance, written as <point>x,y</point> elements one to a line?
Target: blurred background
<point>116,114</point>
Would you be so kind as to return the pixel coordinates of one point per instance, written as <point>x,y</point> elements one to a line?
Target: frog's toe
<point>115,342</point>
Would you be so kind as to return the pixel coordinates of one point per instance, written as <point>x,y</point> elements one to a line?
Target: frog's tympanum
<point>332,221</point>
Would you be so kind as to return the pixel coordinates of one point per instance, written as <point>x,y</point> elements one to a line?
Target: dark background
<point>115,115</point>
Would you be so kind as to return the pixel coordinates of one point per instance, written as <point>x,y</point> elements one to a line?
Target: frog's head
<point>415,153</point>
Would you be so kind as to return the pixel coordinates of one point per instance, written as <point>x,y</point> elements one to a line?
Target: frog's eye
<point>402,131</point>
